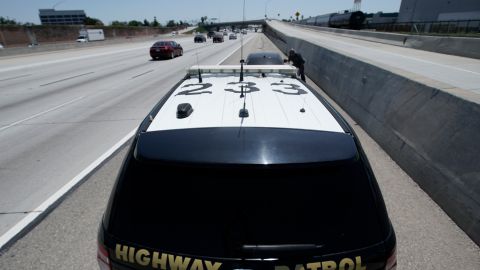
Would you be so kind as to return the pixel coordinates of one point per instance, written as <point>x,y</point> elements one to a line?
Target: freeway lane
<point>427,238</point>
<point>60,111</point>
<point>440,70</point>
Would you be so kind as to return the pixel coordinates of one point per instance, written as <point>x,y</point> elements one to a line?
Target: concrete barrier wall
<point>54,47</point>
<point>19,36</point>
<point>431,134</point>
<point>460,46</point>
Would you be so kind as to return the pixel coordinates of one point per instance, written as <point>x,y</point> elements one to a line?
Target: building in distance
<point>61,17</point>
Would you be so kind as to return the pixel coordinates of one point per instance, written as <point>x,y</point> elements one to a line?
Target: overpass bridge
<point>235,24</point>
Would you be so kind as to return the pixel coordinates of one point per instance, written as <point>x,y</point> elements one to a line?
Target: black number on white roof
<point>289,86</point>
<point>248,87</point>
<point>202,86</point>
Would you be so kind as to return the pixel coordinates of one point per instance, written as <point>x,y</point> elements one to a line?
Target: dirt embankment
<point>14,36</point>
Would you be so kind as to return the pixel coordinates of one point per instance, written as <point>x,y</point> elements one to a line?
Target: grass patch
<point>200,29</point>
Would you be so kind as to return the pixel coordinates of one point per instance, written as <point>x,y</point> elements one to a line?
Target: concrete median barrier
<point>431,133</point>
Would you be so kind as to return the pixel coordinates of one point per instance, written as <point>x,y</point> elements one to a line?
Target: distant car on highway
<point>199,38</point>
<point>82,39</point>
<point>210,34</point>
<point>166,49</point>
<point>232,36</point>
<point>218,38</point>
<point>264,58</point>
<point>245,168</point>
<point>225,33</point>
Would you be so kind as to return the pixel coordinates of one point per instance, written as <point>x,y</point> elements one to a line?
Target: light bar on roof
<point>235,69</point>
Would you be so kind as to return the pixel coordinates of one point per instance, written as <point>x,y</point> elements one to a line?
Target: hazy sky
<point>225,10</point>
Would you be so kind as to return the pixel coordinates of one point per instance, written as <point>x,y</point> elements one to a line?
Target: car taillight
<point>102,258</point>
<point>392,260</point>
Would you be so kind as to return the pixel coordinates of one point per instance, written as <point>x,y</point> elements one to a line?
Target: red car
<point>166,49</point>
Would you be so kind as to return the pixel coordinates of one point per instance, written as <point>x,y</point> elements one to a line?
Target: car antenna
<point>243,111</point>
<point>241,46</point>
<point>199,72</point>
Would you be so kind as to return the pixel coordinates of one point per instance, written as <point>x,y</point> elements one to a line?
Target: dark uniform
<point>298,62</point>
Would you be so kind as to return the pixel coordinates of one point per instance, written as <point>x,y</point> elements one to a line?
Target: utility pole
<point>357,5</point>
<point>266,5</point>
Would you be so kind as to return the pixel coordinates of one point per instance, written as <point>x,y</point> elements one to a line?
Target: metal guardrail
<point>467,27</point>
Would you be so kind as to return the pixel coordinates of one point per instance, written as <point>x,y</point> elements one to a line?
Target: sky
<point>187,10</point>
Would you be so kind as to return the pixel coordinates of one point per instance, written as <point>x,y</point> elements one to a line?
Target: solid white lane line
<point>32,216</point>
<point>40,113</point>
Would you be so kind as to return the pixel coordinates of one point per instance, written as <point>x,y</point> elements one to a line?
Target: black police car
<point>245,168</point>
<point>264,58</point>
<point>199,38</point>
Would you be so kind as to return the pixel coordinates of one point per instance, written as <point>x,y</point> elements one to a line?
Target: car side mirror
<point>285,60</point>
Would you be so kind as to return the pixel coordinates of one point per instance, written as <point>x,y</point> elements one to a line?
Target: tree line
<point>95,21</point>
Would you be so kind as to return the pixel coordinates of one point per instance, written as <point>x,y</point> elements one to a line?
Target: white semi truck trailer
<point>90,35</point>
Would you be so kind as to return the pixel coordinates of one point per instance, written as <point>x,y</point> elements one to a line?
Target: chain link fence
<point>460,28</point>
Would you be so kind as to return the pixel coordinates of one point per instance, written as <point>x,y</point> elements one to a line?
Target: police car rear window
<point>213,211</point>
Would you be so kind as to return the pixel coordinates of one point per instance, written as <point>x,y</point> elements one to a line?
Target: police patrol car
<point>245,167</point>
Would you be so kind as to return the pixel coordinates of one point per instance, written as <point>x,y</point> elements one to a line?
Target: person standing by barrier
<point>298,62</point>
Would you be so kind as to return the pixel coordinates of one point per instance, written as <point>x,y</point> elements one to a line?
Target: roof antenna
<point>199,72</point>
<point>243,112</point>
<point>58,3</point>
<point>241,47</point>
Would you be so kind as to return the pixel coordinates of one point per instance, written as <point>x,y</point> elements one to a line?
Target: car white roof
<point>275,101</point>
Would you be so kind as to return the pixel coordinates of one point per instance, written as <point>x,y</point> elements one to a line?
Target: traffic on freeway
<point>66,109</point>
<point>203,149</point>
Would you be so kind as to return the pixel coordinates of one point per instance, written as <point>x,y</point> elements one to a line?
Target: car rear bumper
<point>161,53</point>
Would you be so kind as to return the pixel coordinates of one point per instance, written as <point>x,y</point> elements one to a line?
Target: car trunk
<point>248,217</point>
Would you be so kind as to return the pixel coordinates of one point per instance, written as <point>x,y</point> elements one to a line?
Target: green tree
<point>146,23</point>
<point>92,21</point>
<point>155,22</point>
<point>135,23</point>
<point>118,23</point>
<point>171,23</point>
<point>204,19</point>
<point>7,21</point>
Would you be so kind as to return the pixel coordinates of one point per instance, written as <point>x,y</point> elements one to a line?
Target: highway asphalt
<point>61,111</point>
<point>66,238</point>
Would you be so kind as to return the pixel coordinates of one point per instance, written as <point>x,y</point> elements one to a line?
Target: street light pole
<point>266,5</point>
